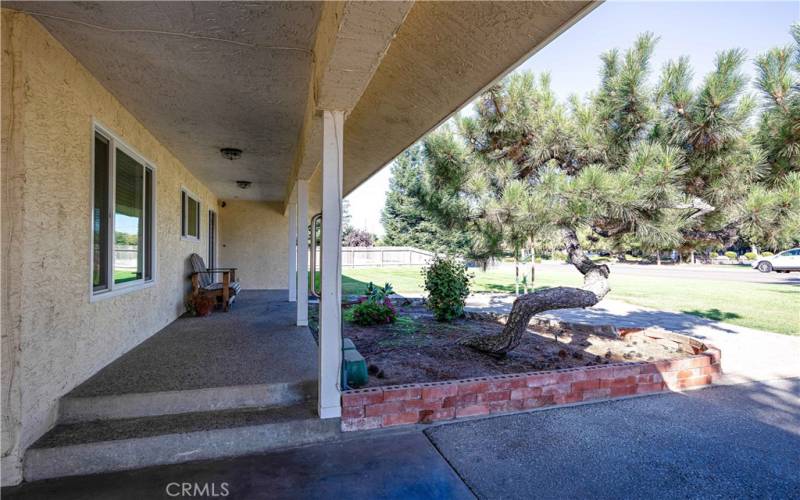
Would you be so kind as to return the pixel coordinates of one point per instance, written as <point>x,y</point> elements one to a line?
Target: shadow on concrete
<point>375,465</point>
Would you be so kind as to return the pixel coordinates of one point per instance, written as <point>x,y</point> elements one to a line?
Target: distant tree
<point>405,220</point>
<point>347,217</point>
<point>347,225</point>
<point>357,238</point>
<point>126,239</point>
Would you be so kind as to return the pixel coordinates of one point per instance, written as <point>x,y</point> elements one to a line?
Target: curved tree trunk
<point>595,287</point>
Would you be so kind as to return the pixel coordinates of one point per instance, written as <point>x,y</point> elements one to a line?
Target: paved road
<point>728,442</point>
<point>686,271</point>
<point>747,354</point>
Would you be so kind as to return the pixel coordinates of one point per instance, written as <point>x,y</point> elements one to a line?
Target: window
<point>123,243</point>
<point>190,216</point>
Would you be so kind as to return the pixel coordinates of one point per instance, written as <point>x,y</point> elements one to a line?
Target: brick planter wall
<point>428,402</point>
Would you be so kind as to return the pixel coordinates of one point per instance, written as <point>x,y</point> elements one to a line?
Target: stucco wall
<point>53,337</point>
<point>255,239</point>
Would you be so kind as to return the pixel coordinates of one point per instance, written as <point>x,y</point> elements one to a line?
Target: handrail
<point>317,219</point>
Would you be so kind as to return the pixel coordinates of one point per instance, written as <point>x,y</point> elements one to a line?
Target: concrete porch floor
<point>255,343</point>
<point>226,385</point>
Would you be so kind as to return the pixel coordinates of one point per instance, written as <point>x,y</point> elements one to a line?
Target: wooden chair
<point>203,281</point>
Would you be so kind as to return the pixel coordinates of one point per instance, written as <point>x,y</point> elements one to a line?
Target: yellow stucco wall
<point>54,338</point>
<point>255,239</point>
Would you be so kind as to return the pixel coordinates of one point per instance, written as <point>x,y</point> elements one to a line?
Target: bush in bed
<point>375,307</point>
<point>447,283</point>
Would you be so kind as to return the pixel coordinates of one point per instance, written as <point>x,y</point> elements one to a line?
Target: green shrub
<point>537,260</point>
<point>730,255</point>
<point>370,313</point>
<point>447,283</point>
<point>558,256</point>
<point>767,254</point>
<point>375,307</point>
<point>378,294</point>
<point>750,256</point>
<point>713,255</point>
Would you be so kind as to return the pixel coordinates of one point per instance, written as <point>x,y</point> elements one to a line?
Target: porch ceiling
<point>202,76</point>
<point>442,56</point>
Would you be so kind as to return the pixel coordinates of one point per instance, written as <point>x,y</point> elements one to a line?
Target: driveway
<point>747,354</point>
<point>738,441</point>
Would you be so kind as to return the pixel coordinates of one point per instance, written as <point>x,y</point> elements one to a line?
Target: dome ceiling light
<point>231,153</point>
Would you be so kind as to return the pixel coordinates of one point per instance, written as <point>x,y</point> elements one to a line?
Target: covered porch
<point>315,96</point>
<point>254,355</point>
<point>201,388</point>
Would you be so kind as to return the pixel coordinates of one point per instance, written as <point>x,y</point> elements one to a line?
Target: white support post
<point>330,338</point>
<point>292,251</point>
<point>302,253</point>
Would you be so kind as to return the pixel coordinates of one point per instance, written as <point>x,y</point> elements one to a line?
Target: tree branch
<point>726,236</point>
<point>606,229</point>
<point>700,206</point>
<point>595,287</point>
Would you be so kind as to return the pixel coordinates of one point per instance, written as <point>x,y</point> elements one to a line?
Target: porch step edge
<point>93,457</point>
<point>150,404</point>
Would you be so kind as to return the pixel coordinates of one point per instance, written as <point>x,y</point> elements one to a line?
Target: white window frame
<point>185,215</point>
<point>112,289</point>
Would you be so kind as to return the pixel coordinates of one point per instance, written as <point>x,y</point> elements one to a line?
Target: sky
<point>696,29</point>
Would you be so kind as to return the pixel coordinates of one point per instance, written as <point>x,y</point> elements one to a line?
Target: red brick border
<point>428,402</point>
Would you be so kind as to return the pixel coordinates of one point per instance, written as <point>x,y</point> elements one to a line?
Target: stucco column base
<point>330,412</point>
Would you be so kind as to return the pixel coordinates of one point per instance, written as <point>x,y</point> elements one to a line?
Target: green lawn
<point>771,307</point>
<point>123,276</point>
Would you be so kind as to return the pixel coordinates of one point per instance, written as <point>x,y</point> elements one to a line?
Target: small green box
<point>348,345</point>
<point>355,366</point>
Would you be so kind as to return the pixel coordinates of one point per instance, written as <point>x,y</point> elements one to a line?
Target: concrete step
<point>132,443</point>
<point>76,408</point>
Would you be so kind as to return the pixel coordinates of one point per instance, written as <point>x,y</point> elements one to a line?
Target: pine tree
<point>779,129</point>
<point>405,221</point>
<point>772,214</point>
<point>664,166</point>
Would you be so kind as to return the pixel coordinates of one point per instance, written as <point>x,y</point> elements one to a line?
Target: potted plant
<point>202,305</point>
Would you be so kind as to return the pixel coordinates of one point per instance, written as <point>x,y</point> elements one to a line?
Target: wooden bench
<point>203,282</point>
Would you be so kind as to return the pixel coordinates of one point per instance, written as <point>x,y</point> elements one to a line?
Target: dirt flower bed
<point>417,348</point>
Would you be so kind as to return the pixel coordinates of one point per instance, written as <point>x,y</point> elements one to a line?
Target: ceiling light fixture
<point>243,184</point>
<point>231,153</point>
